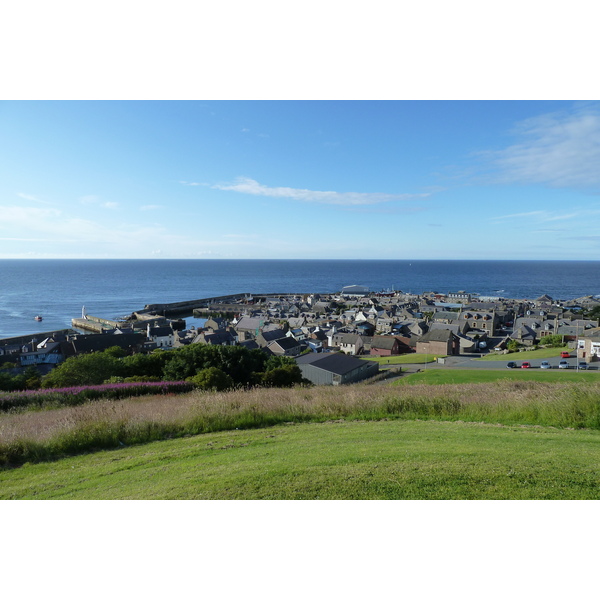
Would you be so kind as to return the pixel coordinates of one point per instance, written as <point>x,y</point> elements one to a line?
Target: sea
<point>57,290</point>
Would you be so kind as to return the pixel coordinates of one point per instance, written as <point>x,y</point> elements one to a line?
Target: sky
<point>300,179</point>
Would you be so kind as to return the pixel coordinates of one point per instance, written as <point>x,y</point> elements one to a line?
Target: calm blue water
<point>57,289</point>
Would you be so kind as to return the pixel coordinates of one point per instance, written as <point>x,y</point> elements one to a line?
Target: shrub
<point>212,379</point>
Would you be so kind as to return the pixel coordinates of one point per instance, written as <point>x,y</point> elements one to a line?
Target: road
<point>468,361</point>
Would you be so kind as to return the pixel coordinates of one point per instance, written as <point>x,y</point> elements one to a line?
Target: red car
<point>565,355</point>
<point>526,365</point>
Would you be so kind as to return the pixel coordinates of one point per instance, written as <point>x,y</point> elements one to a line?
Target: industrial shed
<point>335,368</point>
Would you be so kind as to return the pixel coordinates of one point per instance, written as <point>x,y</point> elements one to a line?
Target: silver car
<point>563,364</point>
<point>545,365</point>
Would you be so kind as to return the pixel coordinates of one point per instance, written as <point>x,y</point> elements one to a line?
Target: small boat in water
<point>37,318</point>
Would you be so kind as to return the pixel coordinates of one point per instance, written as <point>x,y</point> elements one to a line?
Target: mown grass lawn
<point>403,359</point>
<point>460,376</point>
<point>528,354</point>
<point>333,460</point>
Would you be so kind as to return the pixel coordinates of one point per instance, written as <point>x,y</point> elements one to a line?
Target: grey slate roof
<point>335,362</point>
<point>285,343</point>
<point>385,342</point>
<point>436,335</point>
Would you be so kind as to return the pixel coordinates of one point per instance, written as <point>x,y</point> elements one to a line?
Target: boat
<point>37,318</point>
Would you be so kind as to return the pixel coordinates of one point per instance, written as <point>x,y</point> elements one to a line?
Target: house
<point>385,345</point>
<point>589,348</point>
<point>525,334</point>
<point>318,336</point>
<point>298,334</point>
<point>438,341</point>
<point>50,353</point>
<point>285,346</point>
<point>461,296</point>
<point>266,337</point>
<point>216,338</point>
<point>365,328</point>
<point>215,324</point>
<point>97,342</point>
<point>250,325</point>
<point>163,335</point>
<point>350,343</point>
<point>479,320</point>
<point>249,344</point>
<point>410,327</point>
<point>335,368</point>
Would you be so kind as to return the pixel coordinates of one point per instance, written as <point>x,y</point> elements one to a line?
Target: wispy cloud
<point>32,198</point>
<point>558,150</point>
<point>151,207</point>
<point>241,236</point>
<point>585,238</point>
<point>96,200</point>
<point>90,199</point>
<point>192,183</point>
<point>543,216</point>
<point>245,185</point>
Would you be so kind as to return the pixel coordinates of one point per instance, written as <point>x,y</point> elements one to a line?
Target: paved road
<point>469,362</point>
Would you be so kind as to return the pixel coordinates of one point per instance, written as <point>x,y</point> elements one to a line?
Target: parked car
<point>565,354</point>
<point>582,365</point>
<point>563,364</point>
<point>526,365</point>
<point>545,365</point>
<point>511,365</point>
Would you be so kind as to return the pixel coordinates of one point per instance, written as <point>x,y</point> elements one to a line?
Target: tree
<point>286,376</point>
<point>513,345</point>
<point>275,362</point>
<point>116,352</point>
<point>145,365</point>
<point>554,341</point>
<point>178,368</point>
<point>212,379</point>
<point>84,369</point>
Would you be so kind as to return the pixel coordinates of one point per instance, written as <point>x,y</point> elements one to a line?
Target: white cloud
<point>151,207</point>
<point>62,235</point>
<point>558,150</point>
<point>90,199</point>
<point>545,216</point>
<point>245,185</point>
<point>31,198</point>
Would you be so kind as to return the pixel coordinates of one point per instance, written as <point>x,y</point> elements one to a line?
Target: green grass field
<point>460,376</point>
<point>527,355</point>
<point>403,359</point>
<point>332,460</point>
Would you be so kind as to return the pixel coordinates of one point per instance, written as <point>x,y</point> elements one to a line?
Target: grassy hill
<point>332,460</point>
<point>512,439</point>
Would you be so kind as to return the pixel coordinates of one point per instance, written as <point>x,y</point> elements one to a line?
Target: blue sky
<point>300,179</point>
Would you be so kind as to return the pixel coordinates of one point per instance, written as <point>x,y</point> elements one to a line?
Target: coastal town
<point>327,333</point>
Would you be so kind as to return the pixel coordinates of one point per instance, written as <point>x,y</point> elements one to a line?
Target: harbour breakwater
<point>157,314</point>
<point>233,301</point>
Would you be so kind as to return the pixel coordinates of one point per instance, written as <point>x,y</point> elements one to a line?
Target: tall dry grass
<point>43,435</point>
